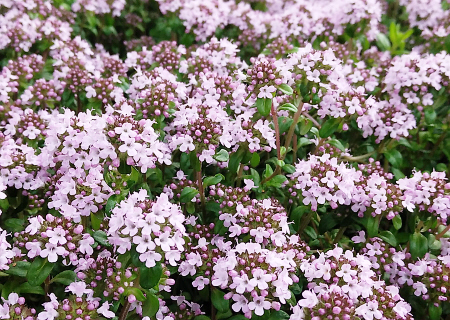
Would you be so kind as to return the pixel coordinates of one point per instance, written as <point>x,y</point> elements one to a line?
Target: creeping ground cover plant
<point>224,159</point>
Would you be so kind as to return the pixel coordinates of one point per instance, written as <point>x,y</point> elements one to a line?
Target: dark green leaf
<point>394,157</point>
<point>434,312</point>
<point>28,288</point>
<point>279,315</point>
<point>65,277</point>
<point>418,245</point>
<point>210,181</point>
<point>218,300</point>
<point>101,237</point>
<point>254,161</point>
<point>276,181</point>
<point>329,127</point>
<point>111,203</point>
<point>372,226</point>
<point>397,222</point>
<point>235,160</point>
<point>149,277</point>
<point>264,106</point>
<point>389,238</point>
<point>39,270</point>
<point>202,317</point>
<point>14,225</point>
<point>188,194</point>
<point>327,223</point>
<point>19,268</point>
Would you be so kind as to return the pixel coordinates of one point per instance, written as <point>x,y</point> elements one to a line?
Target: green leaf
<point>202,317</point>
<point>337,144</point>
<point>303,142</point>
<point>418,245</point>
<point>65,277</point>
<point>279,315</point>
<point>136,292</point>
<point>264,105</point>
<point>210,181</point>
<point>327,223</point>
<point>111,203</point>
<point>430,116</point>
<point>235,160</point>
<point>268,172</point>
<point>14,225</point>
<point>224,315</point>
<point>39,270</point>
<point>238,317</point>
<point>284,123</point>
<point>289,168</point>
<point>101,237</point>
<point>149,277</point>
<point>285,89</point>
<point>187,194</point>
<point>276,181</point>
<point>124,168</point>
<point>394,157</point>
<point>310,232</point>
<point>222,156</point>
<point>255,177</point>
<point>329,127</point>
<point>305,126</point>
<point>383,42</point>
<point>28,288</point>
<point>19,268</point>
<point>254,161</point>
<point>397,222</point>
<point>434,312</point>
<point>372,226</point>
<point>218,300</point>
<point>388,237</point>
<point>288,107</point>
<point>150,306</point>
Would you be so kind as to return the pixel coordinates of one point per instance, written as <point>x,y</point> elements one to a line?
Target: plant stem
<point>277,131</point>
<point>293,126</point>
<point>359,158</point>
<point>202,191</point>
<point>239,176</point>
<point>443,232</point>
<point>308,116</point>
<point>125,309</point>
<point>305,222</point>
<point>339,234</point>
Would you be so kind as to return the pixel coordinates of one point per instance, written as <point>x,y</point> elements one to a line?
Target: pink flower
<point>267,92</point>
<point>258,305</point>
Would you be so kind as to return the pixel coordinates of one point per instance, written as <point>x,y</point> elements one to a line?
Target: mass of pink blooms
<point>224,159</point>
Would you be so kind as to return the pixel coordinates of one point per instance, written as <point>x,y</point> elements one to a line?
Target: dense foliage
<point>222,159</point>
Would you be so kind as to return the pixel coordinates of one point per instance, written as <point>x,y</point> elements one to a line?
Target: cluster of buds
<point>14,308</point>
<point>106,276</point>
<point>43,94</point>
<point>51,238</point>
